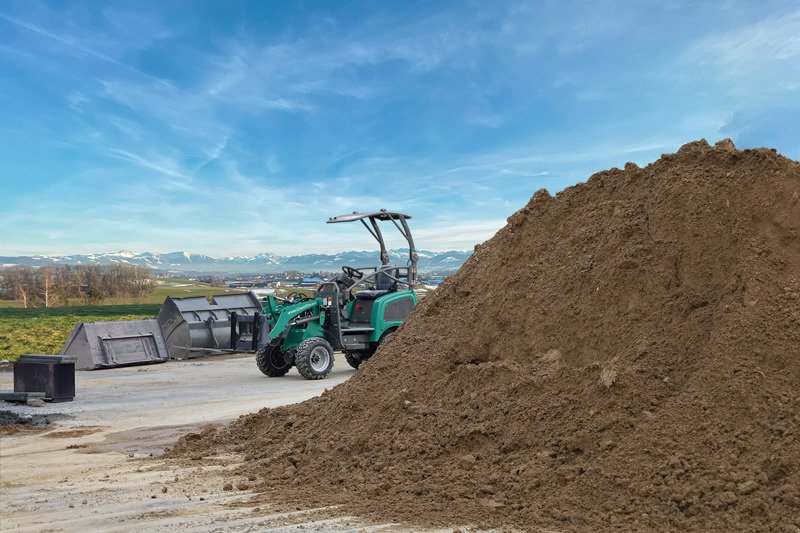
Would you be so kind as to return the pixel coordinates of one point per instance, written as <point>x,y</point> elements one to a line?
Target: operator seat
<point>383,283</point>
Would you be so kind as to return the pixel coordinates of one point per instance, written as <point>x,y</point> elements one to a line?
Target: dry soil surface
<point>92,469</point>
<point>623,355</point>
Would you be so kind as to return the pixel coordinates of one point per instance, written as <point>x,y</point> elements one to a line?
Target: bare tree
<point>66,285</point>
<point>22,284</point>
<point>55,285</point>
<point>47,286</point>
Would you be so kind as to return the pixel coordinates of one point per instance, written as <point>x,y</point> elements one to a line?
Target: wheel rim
<point>320,359</point>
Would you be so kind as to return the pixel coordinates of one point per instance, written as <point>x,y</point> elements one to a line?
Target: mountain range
<point>265,262</point>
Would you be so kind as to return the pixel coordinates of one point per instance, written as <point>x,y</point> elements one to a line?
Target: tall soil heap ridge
<point>625,354</point>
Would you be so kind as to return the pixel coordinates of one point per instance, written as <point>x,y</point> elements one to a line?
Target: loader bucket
<point>193,327</point>
<point>114,343</point>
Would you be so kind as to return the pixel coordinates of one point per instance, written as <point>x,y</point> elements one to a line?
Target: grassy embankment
<point>40,330</point>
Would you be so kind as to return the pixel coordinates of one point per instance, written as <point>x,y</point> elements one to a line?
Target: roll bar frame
<point>400,222</point>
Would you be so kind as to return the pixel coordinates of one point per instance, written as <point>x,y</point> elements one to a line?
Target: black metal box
<point>52,374</point>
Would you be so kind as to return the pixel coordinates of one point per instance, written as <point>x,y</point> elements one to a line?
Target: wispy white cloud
<point>775,38</point>
<point>182,181</point>
<point>756,62</point>
<point>128,128</point>
<point>460,235</point>
<point>525,160</point>
<point>213,155</point>
<point>262,103</point>
<point>455,115</point>
<point>183,112</point>
<point>75,44</point>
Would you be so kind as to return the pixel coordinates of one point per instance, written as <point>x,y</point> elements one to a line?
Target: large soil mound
<point>624,354</point>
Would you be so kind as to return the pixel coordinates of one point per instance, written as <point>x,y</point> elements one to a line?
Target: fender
<point>379,319</point>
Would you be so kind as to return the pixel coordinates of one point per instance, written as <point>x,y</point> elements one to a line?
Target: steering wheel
<point>352,272</point>
<point>297,295</point>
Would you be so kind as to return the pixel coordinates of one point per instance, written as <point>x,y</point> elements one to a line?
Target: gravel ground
<point>178,392</point>
<point>92,469</point>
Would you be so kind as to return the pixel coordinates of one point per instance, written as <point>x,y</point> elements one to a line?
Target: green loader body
<point>354,312</point>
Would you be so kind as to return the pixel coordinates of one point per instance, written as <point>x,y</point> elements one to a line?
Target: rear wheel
<point>271,362</point>
<point>384,338</point>
<point>354,358</point>
<point>358,358</point>
<point>314,358</point>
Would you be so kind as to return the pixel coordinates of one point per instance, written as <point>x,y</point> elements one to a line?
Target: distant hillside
<point>264,262</point>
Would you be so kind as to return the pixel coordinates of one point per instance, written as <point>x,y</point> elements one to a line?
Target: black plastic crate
<point>52,374</point>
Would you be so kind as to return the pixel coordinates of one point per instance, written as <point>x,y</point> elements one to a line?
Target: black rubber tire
<point>271,362</point>
<point>353,358</point>
<point>305,354</point>
<point>385,337</point>
<point>382,341</point>
<point>365,356</point>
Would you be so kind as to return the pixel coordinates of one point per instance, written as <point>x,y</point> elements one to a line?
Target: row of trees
<point>51,286</point>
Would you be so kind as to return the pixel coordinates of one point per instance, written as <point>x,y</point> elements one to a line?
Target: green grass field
<point>178,288</point>
<point>45,330</point>
<point>40,330</point>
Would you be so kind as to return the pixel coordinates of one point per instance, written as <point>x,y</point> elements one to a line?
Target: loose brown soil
<point>13,429</point>
<point>625,355</point>
<point>12,423</point>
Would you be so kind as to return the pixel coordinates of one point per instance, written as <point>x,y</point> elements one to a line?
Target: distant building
<point>309,283</point>
<point>248,284</point>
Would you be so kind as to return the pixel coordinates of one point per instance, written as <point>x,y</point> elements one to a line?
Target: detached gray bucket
<point>193,327</point>
<point>116,343</point>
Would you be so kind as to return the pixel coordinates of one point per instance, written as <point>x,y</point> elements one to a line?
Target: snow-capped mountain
<point>263,262</point>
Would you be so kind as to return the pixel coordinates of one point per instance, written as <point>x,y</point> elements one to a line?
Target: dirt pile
<point>625,354</point>
<point>11,422</point>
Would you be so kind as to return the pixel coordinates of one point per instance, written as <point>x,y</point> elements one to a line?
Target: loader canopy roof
<point>399,221</point>
<point>380,215</point>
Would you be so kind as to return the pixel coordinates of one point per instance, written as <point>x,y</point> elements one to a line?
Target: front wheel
<point>271,362</point>
<point>314,358</point>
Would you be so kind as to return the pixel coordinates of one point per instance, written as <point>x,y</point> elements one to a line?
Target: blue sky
<point>232,128</point>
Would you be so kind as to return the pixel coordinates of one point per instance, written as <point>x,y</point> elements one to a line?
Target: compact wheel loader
<point>353,312</point>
